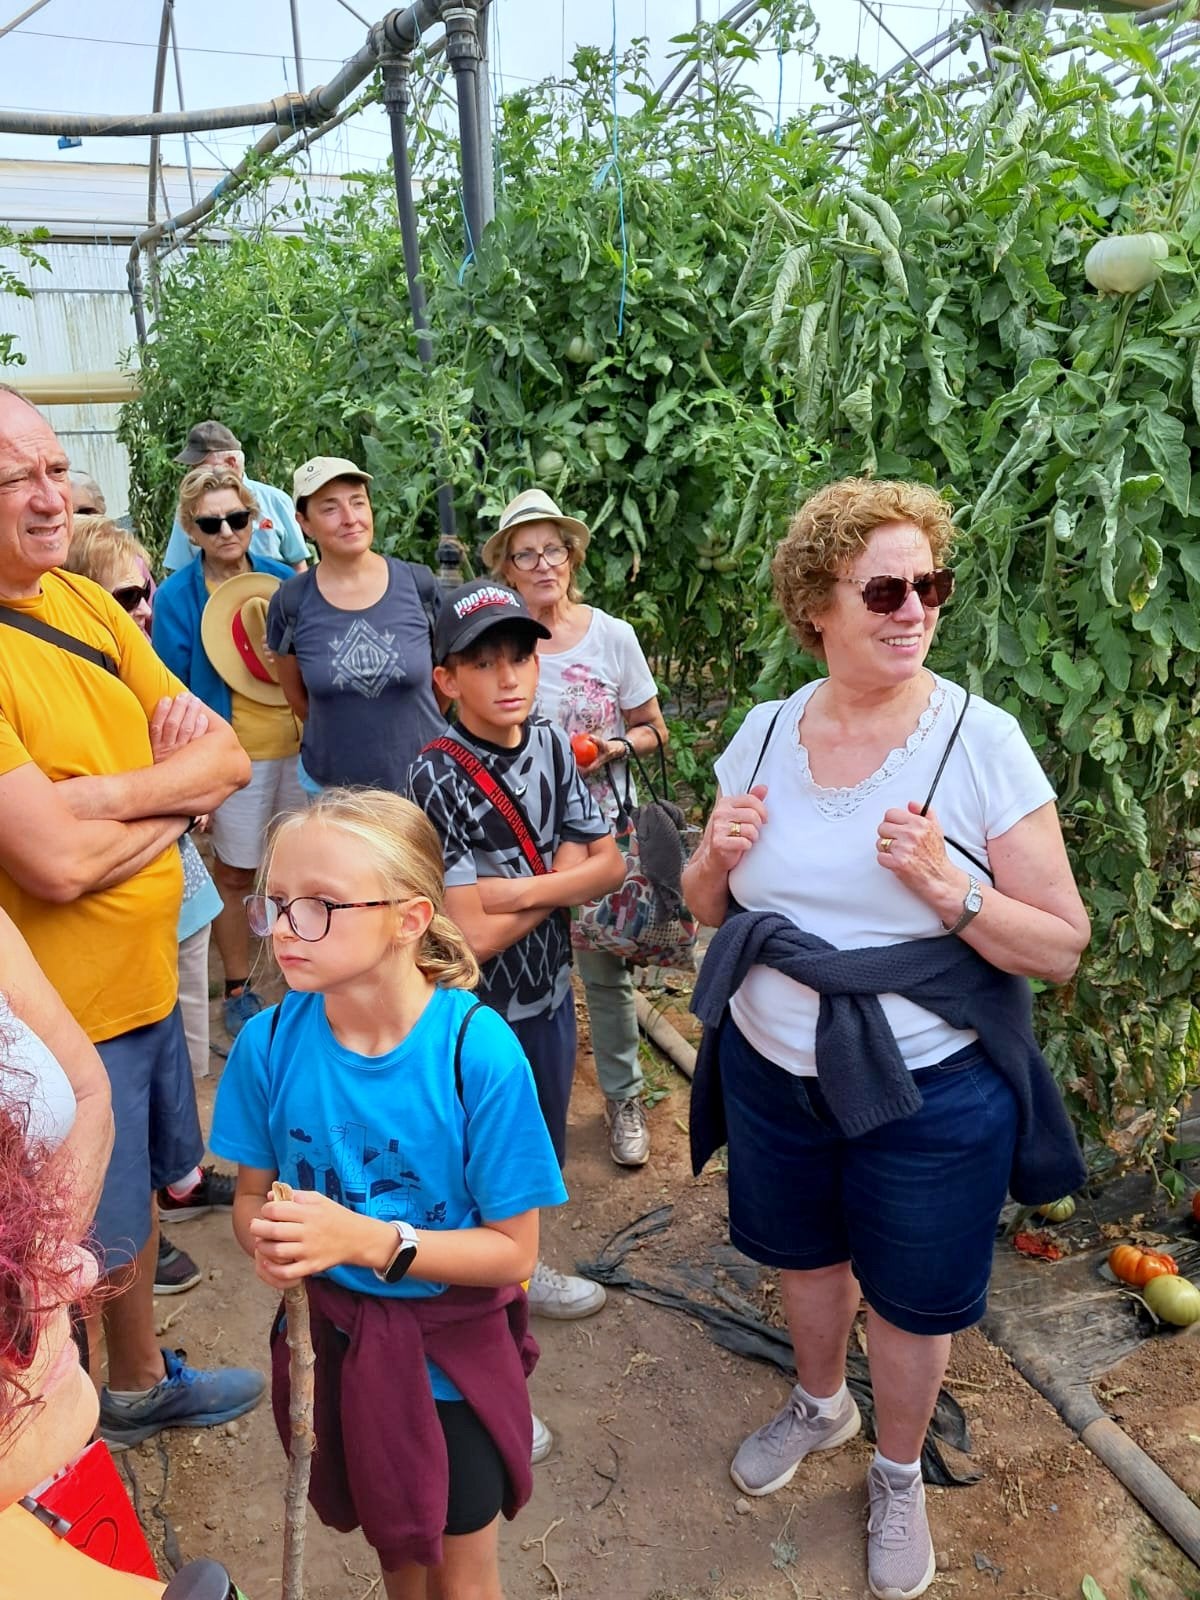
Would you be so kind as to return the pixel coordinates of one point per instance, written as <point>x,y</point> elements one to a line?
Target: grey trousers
<point>608,983</point>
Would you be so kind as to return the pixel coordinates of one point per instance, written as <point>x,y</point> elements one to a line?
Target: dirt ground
<point>636,1500</point>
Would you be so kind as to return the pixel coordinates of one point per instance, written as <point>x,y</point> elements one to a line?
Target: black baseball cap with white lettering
<point>473,608</point>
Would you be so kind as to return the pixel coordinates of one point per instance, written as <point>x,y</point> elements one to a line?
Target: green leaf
<point>1161,436</point>
<point>1091,1590</point>
<point>1065,670</point>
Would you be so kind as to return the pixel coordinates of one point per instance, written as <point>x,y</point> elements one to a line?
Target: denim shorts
<point>913,1205</point>
<point>158,1139</point>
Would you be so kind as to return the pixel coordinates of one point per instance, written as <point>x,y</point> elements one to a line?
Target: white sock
<point>128,1397</point>
<point>185,1186</point>
<point>897,1471</point>
<point>827,1406</point>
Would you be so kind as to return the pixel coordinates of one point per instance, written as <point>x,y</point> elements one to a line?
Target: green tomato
<point>1058,1210</point>
<point>1174,1300</point>
<point>549,464</point>
<point>726,564</point>
<point>580,351</point>
<point>704,563</point>
<point>596,441</point>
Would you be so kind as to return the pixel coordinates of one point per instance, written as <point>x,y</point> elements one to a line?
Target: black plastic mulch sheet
<point>735,1326</point>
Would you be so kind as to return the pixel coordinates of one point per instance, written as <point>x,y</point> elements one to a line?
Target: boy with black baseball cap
<point>523,841</point>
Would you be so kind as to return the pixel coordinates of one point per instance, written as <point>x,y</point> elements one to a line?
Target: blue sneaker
<point>184,1399</point>
<point>239,1008</point>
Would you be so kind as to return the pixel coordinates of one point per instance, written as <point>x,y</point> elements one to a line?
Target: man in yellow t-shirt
<point>104,759</point>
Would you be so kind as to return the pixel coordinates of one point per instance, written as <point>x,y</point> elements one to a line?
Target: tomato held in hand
<point>585,749</point>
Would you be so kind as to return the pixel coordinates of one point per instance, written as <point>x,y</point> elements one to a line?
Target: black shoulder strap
<point>766,741</point>
<point>458,1051</point>
<point>289,605</point>
<point>55,636</point>
<point>426,592</point>
<point>937,778</point>
<point>276,1013</point>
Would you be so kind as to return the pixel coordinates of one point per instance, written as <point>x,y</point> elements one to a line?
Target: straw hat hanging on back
<point>233,629</point>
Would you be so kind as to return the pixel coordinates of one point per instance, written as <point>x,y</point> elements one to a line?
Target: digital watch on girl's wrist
<point>405,1254</point>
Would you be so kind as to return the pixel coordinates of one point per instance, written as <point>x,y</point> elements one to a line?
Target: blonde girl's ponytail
<point>405,850</point>
<point>445,957</point>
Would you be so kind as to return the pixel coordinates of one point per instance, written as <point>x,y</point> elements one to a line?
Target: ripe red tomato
<point>585,749</point>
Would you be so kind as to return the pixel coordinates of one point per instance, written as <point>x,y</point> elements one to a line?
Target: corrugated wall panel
<point>78,320</point>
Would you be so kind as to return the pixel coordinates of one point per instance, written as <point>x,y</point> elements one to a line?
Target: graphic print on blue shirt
<point>365,660</point>
<point>377,1182</point>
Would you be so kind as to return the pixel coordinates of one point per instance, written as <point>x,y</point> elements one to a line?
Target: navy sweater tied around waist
<point>859,1066</point>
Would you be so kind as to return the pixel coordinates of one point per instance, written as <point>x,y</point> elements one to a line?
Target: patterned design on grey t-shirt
<point>365,660</point>
<point>531,977</point>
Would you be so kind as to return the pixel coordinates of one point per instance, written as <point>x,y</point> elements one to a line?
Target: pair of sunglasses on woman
<point>884,595</point>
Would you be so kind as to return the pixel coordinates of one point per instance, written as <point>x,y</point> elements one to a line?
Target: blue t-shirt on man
<point>385,1135</point>
<point>276,534</point>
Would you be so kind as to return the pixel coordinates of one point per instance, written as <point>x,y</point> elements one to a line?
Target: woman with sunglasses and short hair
<point>113,558</point>
<point>217,512</point>
<point>877,1106</point>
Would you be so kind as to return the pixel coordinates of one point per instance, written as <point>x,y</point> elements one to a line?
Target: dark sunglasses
<point>130,598</point>
<point>884,595</point>
<point>236,521</point>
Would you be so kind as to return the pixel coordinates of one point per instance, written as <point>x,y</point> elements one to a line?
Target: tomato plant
<point>789,315</point>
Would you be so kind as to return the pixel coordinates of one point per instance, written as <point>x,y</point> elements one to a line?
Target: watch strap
<point>968,912</point>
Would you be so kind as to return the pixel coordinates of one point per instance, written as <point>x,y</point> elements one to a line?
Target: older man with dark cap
<point>276,534</point>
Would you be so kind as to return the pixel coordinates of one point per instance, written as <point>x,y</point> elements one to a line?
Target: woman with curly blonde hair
<point>403,1114</point>
<point>868,1049</point>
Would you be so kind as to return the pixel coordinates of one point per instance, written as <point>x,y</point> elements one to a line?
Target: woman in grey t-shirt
<point>352,639</point>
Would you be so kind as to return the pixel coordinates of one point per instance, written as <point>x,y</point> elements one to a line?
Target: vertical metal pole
<point>462,51</point>
<point>187,148</point>
<point>396,100</point>
<point>699,60</point>
<point>483,80</point>
<point>160,79</point>
<point>296,45</point>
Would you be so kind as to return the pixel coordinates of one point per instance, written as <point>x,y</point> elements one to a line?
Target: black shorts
<point>477,1477</point>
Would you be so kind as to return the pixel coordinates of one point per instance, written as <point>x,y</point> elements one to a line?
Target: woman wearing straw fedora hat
<point>210,622</point>
<point>594,680</point>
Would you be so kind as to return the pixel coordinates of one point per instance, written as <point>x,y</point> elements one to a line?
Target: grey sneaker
<point>769,1457</point>
<point>628,1135</point>
<point>562,1295</point>
<point>900,1558</point>
<point>543,1441</point>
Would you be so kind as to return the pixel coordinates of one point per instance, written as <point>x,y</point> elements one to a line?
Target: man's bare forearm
<point>193,779</point>
<point>145,840</point>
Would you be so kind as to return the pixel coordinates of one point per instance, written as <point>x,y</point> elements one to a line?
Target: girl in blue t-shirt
<point>404,1116</point>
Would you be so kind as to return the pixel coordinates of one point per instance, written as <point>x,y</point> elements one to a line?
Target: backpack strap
<point>937,778</point>
<point>290,592</point>
<point>37,629</point>
<point>458,1051</point>
<point>763,748</point>
<point>427,593</point>
<point>499,797</point>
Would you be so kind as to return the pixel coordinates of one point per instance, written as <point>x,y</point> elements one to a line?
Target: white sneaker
<point>559,1295</point>
<point>543,1441</point>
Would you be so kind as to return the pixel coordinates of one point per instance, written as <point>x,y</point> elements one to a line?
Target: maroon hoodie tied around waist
<point>380,1458</point>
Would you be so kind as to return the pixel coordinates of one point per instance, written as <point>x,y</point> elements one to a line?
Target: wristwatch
<point>972,906</point>
<point>406,1254</point>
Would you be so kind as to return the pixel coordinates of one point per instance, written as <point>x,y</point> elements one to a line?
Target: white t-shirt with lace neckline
<point>816,858</point>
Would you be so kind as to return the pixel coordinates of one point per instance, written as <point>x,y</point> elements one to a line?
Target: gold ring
<point>885,843</point>
<point>735,830</point>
